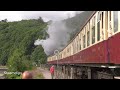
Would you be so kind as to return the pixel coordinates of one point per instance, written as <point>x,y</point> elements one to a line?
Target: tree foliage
<point>17,49</point>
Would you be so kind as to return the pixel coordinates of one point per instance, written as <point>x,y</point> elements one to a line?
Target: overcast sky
<point>46,15</point>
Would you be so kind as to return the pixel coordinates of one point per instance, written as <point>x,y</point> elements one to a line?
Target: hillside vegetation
<point>17,49</point>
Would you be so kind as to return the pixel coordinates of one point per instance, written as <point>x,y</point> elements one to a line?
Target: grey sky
<point>46,15</point>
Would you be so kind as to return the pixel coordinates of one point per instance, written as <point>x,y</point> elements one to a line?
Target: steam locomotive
<point>97,45</point>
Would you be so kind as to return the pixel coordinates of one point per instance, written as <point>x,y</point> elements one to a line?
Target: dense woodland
<point>17,49</point>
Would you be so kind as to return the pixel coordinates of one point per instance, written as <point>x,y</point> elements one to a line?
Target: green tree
<point>17,44</point>
<point>38,55</point>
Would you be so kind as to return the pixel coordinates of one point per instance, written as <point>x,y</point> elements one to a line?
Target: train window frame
<point>98,31</point>
<point>68,50</point>
<point>98,24</point>
<point>94,20</point>
<point>64,53</point>
<point>88,38</point>
<point>71,45</point>
<point>110,15</point>
<point>114,23</point>
<point>61,55</point>
<point>98,16</point>
<point>90,29</point>
<point>93,35</point>
<point>84,41</point>
<point>75,45</point>
<point>106,24</point>
<point>79,41</point>
<point>93,30</point>
<point>102,19</point>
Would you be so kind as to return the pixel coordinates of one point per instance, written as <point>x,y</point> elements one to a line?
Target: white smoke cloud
<point>59,35</point>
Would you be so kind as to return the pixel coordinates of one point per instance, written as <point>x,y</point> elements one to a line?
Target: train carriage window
<point>80,47</point>
<point>99,15</point>
<point>93,35</point>
<point>88,38</point>
<point>94,20</point>
<point>68,50</point>
<point>98,26</point>
<point>80,43</point>
<point>110,15</point>
<point>73,46</point>
<point>98,31</point>
<point>84,41</point>
<point>89,26</point>
<point>77,44</point>
<point>93,31</point>
<point>102,19</point>
<point>115,21</point>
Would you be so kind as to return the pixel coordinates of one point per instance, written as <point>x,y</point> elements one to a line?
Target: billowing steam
<point>59,35</point>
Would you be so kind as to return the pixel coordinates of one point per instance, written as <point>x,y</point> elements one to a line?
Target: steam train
<point>97,45</point>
